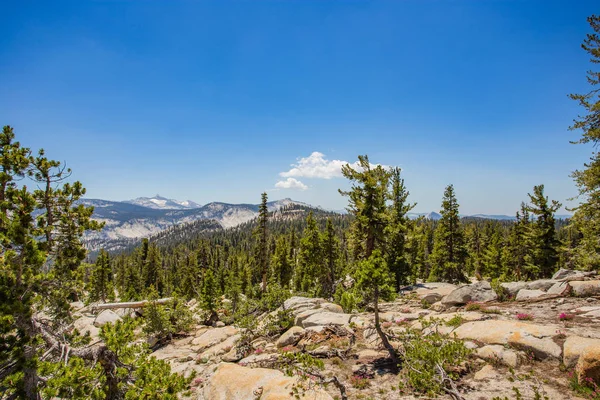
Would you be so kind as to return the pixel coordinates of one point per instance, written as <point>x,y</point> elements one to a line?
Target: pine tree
<point>517,252</point>
<point>492,258</point>
<point>374,279</point>
<point>282,267</point>
<point>152,265</point>
<point>101,280</point>
<point>474,240</point>
<point>397,230</point>
<point>310,263</point>
<point>40,233</point>
<point>330,249</point>
<point>208,298</point>
<point>587,213</point>
<point>263,240</point>
<point>449,254</point>
<point>367,203</point>
<point>545,244</point>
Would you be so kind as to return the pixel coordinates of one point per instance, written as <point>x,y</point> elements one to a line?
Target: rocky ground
<point>534,342</point>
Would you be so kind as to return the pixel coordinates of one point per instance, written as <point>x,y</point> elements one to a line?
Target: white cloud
<point>291,183</point>
<point>316,166</point>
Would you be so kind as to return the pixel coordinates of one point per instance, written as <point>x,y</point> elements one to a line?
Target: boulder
<point>173,351</point>
<point>299,320</point>
<point>541,284</point>
<point>257,358</point>
<point>232,356</point>
<point>332,307</point>
<point>575,346</point>
<point>526,294</point>
<point>496,352</point>
<point>585,288</point>
<point>290,337</point>
<point>485,373</point>
<point>298,303</point>
<point>560,289</point>
<point>425,289</point>
<point>564,273</point>
<point>234,382</point>
<point>86,324</point>
<point>480,292</point>
<point>221,348</point>
<point>588,366</point>
<point>105,317</point>
<point>326,318</point>
<point>524,336</point>
<point>431,298</point>
<point>359,321</point>
<point>126,312</point>
<point>77,305</point>
<point>212,337</point>
<point>570,275</point>
<point>512,288</point>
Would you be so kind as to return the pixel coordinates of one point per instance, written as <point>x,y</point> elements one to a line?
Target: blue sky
<point>215,100</point>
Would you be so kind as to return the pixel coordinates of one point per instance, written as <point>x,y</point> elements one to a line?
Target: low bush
<point>427,357</point>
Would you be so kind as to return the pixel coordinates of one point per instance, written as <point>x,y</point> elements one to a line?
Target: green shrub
<point>422,356</point>
<point>455,321</point>
<point>348,302</point>
<point>164,320</point>
<point>502,293</point>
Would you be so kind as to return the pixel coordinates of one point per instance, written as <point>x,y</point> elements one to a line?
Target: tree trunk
<point>30,382</point>
<point>382,335</point>
<point>130,304</point>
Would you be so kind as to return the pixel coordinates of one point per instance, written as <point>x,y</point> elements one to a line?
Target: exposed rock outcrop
<point>234,382</point>
<point>479,292</point>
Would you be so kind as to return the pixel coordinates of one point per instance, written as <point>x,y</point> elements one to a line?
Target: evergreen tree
<point>152,265</point>
<point>517,252</point>
<point>476,250</point>
<point>208,298</point>
<point>416,251</point>
<point>263,240</point>
<point>492,258</point>
<point>449,254</point>
<point>367,203</point>
<point>281,264</point>
<point>330,250</point>
<point>397,229</point>
<point>101,280</point>
<point>587,213</point>
<point>374,279</point>
<point>545,244</point>
<point>40,233</point>
<point>310,263</point>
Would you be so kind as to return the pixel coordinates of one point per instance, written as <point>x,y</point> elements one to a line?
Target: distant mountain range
<point>162,203</point>
<point>125,222</point>
<point>128,221</point>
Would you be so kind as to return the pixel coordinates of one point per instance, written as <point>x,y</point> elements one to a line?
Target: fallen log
<point>130,304</point>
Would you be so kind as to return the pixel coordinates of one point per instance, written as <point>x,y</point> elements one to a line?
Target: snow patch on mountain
<point>162,203</point>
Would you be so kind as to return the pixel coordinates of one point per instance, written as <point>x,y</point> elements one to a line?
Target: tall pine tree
<point>397,230</point>
<point>545,244</point>
<point>448,259</point>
